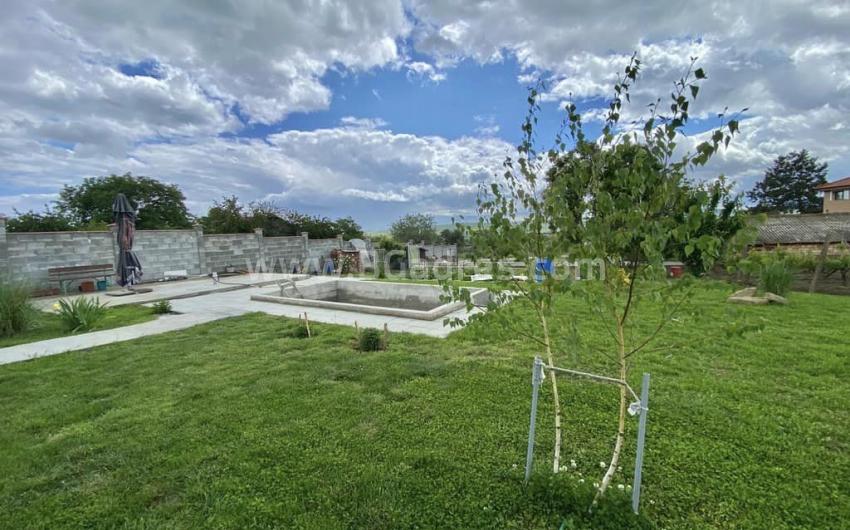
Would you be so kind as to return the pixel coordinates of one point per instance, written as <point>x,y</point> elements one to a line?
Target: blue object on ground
<point>542,265</point>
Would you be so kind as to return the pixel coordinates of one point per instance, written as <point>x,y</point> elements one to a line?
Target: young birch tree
<point>622,198</point>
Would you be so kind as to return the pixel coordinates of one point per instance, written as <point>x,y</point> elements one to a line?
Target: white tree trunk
<point>556,459</point>
<point>621,423</point>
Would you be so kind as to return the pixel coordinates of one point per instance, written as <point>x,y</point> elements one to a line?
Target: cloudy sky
<point>374,109</point>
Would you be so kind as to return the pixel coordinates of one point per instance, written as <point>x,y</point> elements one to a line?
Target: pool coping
<point>431,314</point>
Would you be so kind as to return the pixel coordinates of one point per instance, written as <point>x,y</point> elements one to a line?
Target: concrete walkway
<point>203,308</point>
<point>195,286</point>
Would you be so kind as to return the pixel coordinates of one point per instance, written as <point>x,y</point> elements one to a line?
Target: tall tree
<point>158,205</point>
<point>349,228</point>
<point>226,217</point>
<point>789,185</point>
<point>414,227</point>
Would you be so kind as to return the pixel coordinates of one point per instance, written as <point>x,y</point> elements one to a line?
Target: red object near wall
<point>675,269</point>
<point>87,286</point>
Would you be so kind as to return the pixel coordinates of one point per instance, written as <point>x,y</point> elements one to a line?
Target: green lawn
<point>48,325</point>
<point>233,424</point>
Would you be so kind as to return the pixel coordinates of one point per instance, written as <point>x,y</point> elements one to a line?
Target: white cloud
<point>363,123</point>
<point>788,63</point>
<point>420,70</point>
<point>342,171</point>
<point>380,196</point>
<point>486,125</point>
<point>67,111</point>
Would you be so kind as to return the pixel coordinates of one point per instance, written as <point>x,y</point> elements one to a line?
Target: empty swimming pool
<point>408,300</point>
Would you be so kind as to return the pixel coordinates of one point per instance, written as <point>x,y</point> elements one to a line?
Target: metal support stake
<point>644,408</point>
<point>536,378</point>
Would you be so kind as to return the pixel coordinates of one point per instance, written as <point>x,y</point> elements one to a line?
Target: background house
<point>836,196</point>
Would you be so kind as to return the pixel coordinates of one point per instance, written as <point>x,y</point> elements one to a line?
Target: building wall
<point>321,248</point>
<point>283,253</point>
<point>31,254</point>
<point>4,250</point>
<point>27,256</point>
<point>239,250</point>
<point>830,205</point>
<point>166,250</point>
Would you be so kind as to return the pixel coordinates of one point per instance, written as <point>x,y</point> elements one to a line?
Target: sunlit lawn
<point>233,424</point>
<point>48,325</point>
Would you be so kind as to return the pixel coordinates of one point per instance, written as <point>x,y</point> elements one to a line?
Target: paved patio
<point>195,286</point>
<point>200,301</point>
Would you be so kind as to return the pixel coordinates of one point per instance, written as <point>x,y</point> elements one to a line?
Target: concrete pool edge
<point>427,315</point>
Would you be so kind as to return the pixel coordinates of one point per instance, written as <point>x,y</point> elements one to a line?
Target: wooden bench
<point>65,275</point>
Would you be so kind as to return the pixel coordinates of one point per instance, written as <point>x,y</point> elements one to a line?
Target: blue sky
<point>379,109</point>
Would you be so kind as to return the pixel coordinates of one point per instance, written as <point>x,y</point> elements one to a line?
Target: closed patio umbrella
<point>129,266</point>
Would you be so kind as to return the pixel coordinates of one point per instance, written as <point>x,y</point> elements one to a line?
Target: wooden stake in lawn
<point>307,323</point>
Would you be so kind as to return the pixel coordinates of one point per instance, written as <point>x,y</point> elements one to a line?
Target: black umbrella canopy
<point>121,207</point>
<point>129,267</point>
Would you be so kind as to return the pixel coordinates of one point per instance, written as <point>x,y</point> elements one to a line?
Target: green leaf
<point>694,90</point>
<point>699,73</point>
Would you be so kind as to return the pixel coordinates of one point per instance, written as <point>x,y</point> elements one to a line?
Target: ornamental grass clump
<point>16,311</point>
<point>775,277</point>
<point>81,314</point>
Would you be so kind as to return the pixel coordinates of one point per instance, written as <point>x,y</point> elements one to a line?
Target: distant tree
<point>723,218</point>
<point>414,227</point>
<point>789,185</point>
<point>452,236</point>
<point>158,205</point>
<point>272,219</point>
<point>226,217</point>
<point>49,221</point>
<point>349,228</point>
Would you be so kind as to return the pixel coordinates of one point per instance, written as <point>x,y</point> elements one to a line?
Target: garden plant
<point>619,200</point>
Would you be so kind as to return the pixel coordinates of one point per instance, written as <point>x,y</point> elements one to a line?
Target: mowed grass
<point>47,325</point>
<point>235,425</point>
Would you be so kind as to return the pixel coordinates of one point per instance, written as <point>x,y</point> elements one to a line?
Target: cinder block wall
<point>4,251</point>
<point>27,256</point>
<point>30,254</point>
<point>239,250</point>
<point>282,253</point>
<point>318,248</point>
<point>167,250</point>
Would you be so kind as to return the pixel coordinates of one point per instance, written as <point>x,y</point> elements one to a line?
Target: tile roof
<point>803,228</point>
<point>836,184</point>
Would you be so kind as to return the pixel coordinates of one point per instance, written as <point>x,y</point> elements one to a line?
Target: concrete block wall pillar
<point>4,249</point>
<point>340,241</point>
<point>113,236</point>
<point>306,259</point>
<point>262,266</point>
<point>202,255</point>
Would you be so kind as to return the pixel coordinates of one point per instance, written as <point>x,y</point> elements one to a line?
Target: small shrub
<point>370,339</point>
<point>81,314</point>
<point>16,312</point>
<point>163,307</point>
<point>300,332</point>
<point>775,277</point>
